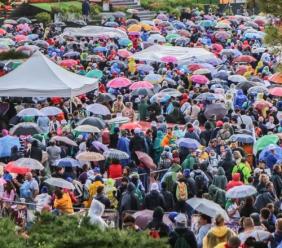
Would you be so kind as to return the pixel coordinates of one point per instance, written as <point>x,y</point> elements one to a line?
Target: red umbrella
<point>68,62</point>
<point>141,84</point>
<point>20,37</point>
<point>277,91</point>
<point>262,104</point>
<point>10,167</point>
<point>169,59</point>
<point>194,67</point>
<point>217,47</point>
<point>276,78</point>
<point>2,32</point>
<point>124,53</point>
<point>244,58</point>
<point>146,160</point>
<point>130,126</point>
<point>119,82</point>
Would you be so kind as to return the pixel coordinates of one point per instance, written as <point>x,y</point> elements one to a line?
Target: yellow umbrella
<point>146,26</point>
<point>134,28</point>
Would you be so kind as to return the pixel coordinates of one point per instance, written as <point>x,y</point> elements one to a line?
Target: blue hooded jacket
<point>240,99</point>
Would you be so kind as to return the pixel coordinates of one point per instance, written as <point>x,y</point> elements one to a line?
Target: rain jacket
<point>95,214</point>
<point>219,179</point>
<point>217,195</point>
<point>64,204</point>
<point>157,147</point>
<point>240,99</point>
<point>93,190</point>
<point>245,170</point>
<point>234,182</point>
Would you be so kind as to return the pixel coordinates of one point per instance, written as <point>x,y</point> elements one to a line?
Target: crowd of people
<point>185,133</point>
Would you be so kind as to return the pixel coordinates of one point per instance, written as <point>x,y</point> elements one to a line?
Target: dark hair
<point>100,189</point>
<point>207,218</point>
<point>128,219</point>
<point>234,241</point>
<point>58,193</point>
<point>164,185</point>
<point>265,213</point>
<point>115,161</point>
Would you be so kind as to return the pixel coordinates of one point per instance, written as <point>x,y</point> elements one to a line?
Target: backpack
<point>155,234</point>
<point>199,181</point>
<point>25,191</point>
<point>181,192</point>
<point>85,194</point>
<point>181,242</point>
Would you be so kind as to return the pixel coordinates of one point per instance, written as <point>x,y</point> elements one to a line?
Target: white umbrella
<point>237,79</point>
<point>115,154</point>
<point>29,112</point>
<point>64,139</point>
<point>119,120</point>
<point>59,182</point>
<point>87,129</point>
<point>98,109</point>
<point>30,163</point>
<point>207,207</point>
<point>90,156</point>
<point>242,191</point>
<point>51,111</point>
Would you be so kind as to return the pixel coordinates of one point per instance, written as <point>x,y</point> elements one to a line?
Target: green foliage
<point>43,17</point>
<point>273,7</point>
<point>69,232</point>
<point>12,54</point>
<point>95,9</point>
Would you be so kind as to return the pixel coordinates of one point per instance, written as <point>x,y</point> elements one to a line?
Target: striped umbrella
<point>115,154</point>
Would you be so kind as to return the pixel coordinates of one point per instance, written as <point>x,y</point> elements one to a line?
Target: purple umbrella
<point>99,146</point>
<point>188,143</point>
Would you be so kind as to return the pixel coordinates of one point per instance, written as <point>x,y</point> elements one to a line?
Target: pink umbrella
<point>20,37</point>
<point>169,59</point>
<point>124,53</point>
<point>119,82</point>
<point>146,160</point>
<point>141,84</point>
<point>2,32</point>
<point>68,62</point>
<point>24,27</point>
<point>276,91</point>
<point>199,79</point>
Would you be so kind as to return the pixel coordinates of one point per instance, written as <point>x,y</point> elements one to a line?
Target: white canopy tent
<point>41,77</point>
<point>95,31</point>
<point>182,54</point>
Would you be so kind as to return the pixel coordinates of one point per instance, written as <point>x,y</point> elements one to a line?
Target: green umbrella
<point>171,37</point>
<point>264,141</point>
<point>94,74</point>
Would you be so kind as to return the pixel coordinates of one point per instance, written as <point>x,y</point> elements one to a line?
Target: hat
<point>137,130</point>
<point>172,216</point>
<point>219,123</point>
<point>181,220</point>
<point>186,172</point>
<point>155,186</point>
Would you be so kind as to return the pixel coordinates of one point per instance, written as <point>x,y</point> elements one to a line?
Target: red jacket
<point>234,182</point>
<point>115,171</point>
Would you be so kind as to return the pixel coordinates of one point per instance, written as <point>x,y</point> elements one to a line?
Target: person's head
<point>115,161</point>
<point>278,225</point>
<point>263,178</point>
<point>249,201</point>
<point>219,220</point>
<point>237,154</point>
<point>158,213</point>
<point>180,220</point>
<point>269,186</point>
<point>248,223</point>
<point>100,190</point>
<point>204,219</point>
<point>277,168</point>
<point>234,242</point>
<point>164,185</point>
<point>129,222</point>
<point>58,193</point>
<point>169,130</point>
<point>124,181</point>
<point>270,206</point>
<point>264,214</point>
<point>255,218</point>
<point>28,176</point>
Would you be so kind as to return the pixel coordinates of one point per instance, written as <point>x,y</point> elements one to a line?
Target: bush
<point>43,17</point>
<point>12,54</point>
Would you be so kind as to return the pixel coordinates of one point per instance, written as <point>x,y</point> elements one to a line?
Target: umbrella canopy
<point>276,78</point>
<point>146,160</point>
<point>268,150</point>
<point>99,146</point>
<point>260,104</point>
<point>98,109</point>
<point>153,78</point>
<point>130,126</point>
<point>67,162</point>
<point>169,59</point>
<point>217,109</point>
<point>237,79</point>
<point>242,138</point>
<point>244,58</point>
<point>50,111</point>
<point>199,79</point>
<point>207,207</point>
<point>6,144</point>
<point>30,112</point>
<point>119,120</point>
<point>242,191</point>
<point>257,89</point>
<point>105,98</point>
<point>94,74</point>
<point>68,63</point>
<point>59,182</point>
<point>12,168</point>
<point>171,92</point>
<point>156,38</point>
<point>87,129</point>
<point>206,97</point>
<point>264,141</point>
<point>64,140</point>
<point>93,121</point>
<point>124,53</point>
<point>276,91</point>
<point>90,156</point>
<point>188,143</point>
<point>29,163</point>
<point>124,42</point>
<point>142,92</point>
<point>141,84</point>
<point>119,82</point>
<point>145,67</point>
<point>161,96</point>
<point>115,154</point>
<point>25,128</point>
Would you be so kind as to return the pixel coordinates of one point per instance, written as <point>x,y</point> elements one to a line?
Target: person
<point>129,200</point>
<point>44,123</point>
<point>118,105</point>
<point>204,227</point>
<point>98,181</point>
<point>217,234</point>
<point>101,197</point>
<point>54,153</point>
<point>63,202</point>
<point>248,208</point>
<point>137,143</point>
<point>234,182</point>
<point>43,200</point>
<point>129,223</point>
<point>219,179</point>
<point>129,112</point>
<point>85,10</point>
<point>115,169</point>
<point>277,235</point>
<point>168,197</point>
<point>35,151</point>
<point>143,110</point>
<point>265,197</point>
<point>154,198</point>
<point>243,170</point>
<point>30,188</point>
<point>182,236</point>
<point>95,214</point>
<point>265,219</point>
<point>277,179</point>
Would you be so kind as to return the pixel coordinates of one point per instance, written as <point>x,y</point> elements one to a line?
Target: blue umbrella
<point>178,25</point>
<point>188,143</point>
<point>242,138</point>
<point>266,151</point>
<point>161,97</point>
<point>100,49</point>
<point>124,42</point>
<point>207,23</point>
<point>6,144</point>
<point>32,36</point>
<point>145,68</point>
<point>71,54</point>
<point>67,162</point>
<point>258,35</point>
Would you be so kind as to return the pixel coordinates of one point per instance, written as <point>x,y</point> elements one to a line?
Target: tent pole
<point>71,105</point>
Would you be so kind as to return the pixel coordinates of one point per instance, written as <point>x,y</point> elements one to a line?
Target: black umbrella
<point>217,109</point>
<point>25,128</point>
<point>93,121</point>
<point>105,97</point>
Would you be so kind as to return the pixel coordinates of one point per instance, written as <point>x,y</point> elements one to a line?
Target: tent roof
<point>183,54</point>
<point>41,77</point>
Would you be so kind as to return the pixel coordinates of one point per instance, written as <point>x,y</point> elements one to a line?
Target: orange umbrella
<point>276,78</point>
<point>130,126</point>
<point>134,28</point>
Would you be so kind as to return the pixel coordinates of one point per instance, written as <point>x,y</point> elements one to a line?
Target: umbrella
<point>7,41</point>
<point>252,35</point>
<point>182,41</point>
<point>124,53</point>
<point>124,42</point>
<point>222,25</point>
<point>93,121</point>
<point>217,109</point>
<point>111,24</point>
<point>244,59</point>
<point>130,126</point>
<point>25,128</point>
<point>264,141</point>
<point>207,23</point>
<point>242,138</point>
<point>199,79</point>
<point>257,89</point>
<point>141,84</point>
<point>119,120</point>
<point>105,98</point>
<point>144,217</point>
<point>134,28</point>
<point>115,154</point>
<point>99,146</point>
<point>30,112</point>
<point>29,163</point>
<point>24,20</point>
<point>98,109</point>
<point>10,21</point>
<point>2,32</point>
<point>188,143</point>
<point>245,86</point>
<point>276,91</point>
<point>68,62</point>
<point>267,150</point>
<point>169,59</point>
<point>6,144</point>
<point>222,74</point>
<point>171,37</point>
<point>237,79</point>
<point>171,92</point>
<point>276,78</point>
<point>64,140</point>
<point>119,82</point>
<point>153,78</point>
<point>100,49</point>
<point>131,21</point>
<point>12,168</point>
<point>50,111</point>
<point>87,129</point>
<point>206,97</point>
<point>90,156</point>
<point>201,71</point>
<point>145,67</point>
<point>32,36</point>
<point>207,207</point>
<point>242,191</point>
<point>156,38</point>
<point>59,182</point>
<point>146,160</point>
<point>71,54</point>
<point>162,17</point>
<point>178,24</point>
<point>161,96</point>
<point>119,14</point>
<point>222,35</point>
<point>67,162</point>
<point>230,52</point>
<point>20,37</point>
<point>261,104</point>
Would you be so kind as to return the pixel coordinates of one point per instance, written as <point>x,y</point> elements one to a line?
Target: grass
<point>48,6</point>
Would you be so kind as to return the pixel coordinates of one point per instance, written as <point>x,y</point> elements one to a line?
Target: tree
<point>43,17</point>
